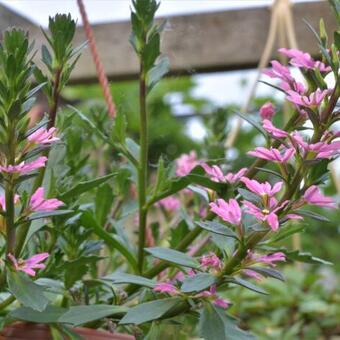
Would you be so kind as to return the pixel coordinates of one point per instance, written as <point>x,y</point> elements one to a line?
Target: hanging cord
<point>99,66</point>
<point>264,60</point>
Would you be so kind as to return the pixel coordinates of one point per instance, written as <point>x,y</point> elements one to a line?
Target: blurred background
<point>194,109</point>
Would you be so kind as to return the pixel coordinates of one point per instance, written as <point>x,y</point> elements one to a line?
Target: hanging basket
<point>38,331</point>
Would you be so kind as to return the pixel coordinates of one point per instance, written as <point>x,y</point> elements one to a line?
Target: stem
<point>7,302</point>
<point>55,98</point>
<point>9,193</point>
<point>143,167</point>
<point>10,227</point>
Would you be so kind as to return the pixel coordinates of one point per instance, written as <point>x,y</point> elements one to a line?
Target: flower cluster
<point>37,202</point>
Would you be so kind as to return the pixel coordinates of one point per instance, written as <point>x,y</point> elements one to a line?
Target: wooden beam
<point>9,18</point>
<point>206,42</point>
<point>196,43</point>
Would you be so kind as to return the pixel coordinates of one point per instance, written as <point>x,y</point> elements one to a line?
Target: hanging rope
<point>102,78</point>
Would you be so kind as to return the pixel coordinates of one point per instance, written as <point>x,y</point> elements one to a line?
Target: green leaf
<point>305,257</point>
<point>149,311</point>
<point>133,148</point>
<point>197,283</point>
<point>76,269</point>
<point>215,324</point>
<point>272,172</point>
<point>246,284</point>
<point>118,278</point>
<point>26,291</point>
<point>46,214</point>
<point>85,186</point>
<point>178,233</point>
<point>252,122</point>
<point>50,315</point>
<point>249,196</point>
<point>217,228</point>
<point>286,231</point>
<point>119,128</point>
<point>151,51</point>
<point>173,256</point>
<point>268,272</point>
<point>46,56</point>
<point>157,72</point>
<point>92,128</point>
<point>88,221</point>
<point>312,214</point>
<point>318,171</point>
<point>104,200</point>
<point>78,315</point>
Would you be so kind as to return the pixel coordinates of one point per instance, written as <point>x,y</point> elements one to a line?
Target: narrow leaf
<point>173,256</point>
<point>78,315</point>
<point>247,284</point>
<point>26,291</point>
<point>197,283</point>
<point>149,311</point>
<point>217,228</point>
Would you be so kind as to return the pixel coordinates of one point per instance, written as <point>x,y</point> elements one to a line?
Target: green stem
<point>143,168</point>
<point>9,192</point>
<point>10,227</point>
<point>7,302</point>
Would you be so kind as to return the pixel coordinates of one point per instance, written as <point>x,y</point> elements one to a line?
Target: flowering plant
<point>71,258</point>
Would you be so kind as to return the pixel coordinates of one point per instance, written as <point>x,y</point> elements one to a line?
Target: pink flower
<point>229,212</point>
<point>217,174</point>
<point>314,99</point>
<point>273,154</point>
<point>264,215</point>
<point>325,150</point>
<point>279,71</point>
<point>233,178</point>
<point>303,59</point>
<point>211,260</point>
<point>262,189</point>
<point>30,264</point>
<point>216,300</point>
<point>43,136</point>
<point>274,131</point>
<point>313,196</point>
<point>38,203</point>
<point>320,149</point>
<point>214,171</point>
<point>223,303</point>
<point>185,163</point>
<point>268,214</point>
<point>179,277</point>
<point>272,258</point>
<point>267,111</point>
<point>24,168</point>
<point>322,67</point>
<point>165,287</point>
<point>3,201</point>
<point>293,85</point>
<point>298,58</point>
<point>169,203</point>
<point>253,274</point>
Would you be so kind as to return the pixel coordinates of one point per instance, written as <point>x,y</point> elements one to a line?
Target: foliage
<point>114,225</point>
